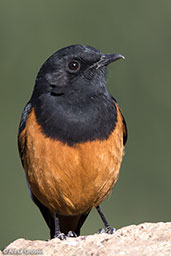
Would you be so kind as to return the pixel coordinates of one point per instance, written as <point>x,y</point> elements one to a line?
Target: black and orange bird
<point>71,138</point>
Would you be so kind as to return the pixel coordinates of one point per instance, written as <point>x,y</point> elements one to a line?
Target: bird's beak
<point>107,59</point>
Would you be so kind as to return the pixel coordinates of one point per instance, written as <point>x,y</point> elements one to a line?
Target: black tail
<point>67,223</point>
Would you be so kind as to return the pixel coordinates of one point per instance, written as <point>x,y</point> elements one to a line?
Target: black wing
<point>43,209</point>
<point>125,131</point>
<point>22,125</point>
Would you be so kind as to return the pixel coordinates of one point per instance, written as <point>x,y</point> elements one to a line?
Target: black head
<point>70,98</point>
<point>77,68</point>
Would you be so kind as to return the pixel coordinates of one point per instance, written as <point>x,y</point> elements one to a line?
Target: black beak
<point>107,59</point>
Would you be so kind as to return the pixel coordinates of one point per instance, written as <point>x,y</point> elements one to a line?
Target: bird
<point>71,139</point>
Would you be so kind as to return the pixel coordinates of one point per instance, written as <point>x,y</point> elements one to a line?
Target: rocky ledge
<point>152,239</point>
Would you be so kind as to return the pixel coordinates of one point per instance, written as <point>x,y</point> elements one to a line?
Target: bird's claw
<point>107,230</point>
<point>60,235</point>
<point>71,234</point>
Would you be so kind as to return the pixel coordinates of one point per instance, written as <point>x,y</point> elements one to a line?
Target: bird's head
<point>74,69</point>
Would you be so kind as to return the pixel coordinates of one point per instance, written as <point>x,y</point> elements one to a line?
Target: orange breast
<point>71,180</point>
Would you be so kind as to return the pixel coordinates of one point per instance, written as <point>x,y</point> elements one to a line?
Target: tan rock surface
<point>152,239</point>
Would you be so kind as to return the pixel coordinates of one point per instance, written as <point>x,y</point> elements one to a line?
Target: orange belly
<point>71,180</point>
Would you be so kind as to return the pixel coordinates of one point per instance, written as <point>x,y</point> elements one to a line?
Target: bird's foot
<point>60,235</point>
<point>71,234</point>
<point>107,230</point>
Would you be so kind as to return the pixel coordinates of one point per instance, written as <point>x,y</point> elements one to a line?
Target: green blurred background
<point>30,31</point>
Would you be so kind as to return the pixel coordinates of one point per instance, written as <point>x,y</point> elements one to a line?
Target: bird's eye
<point>74,66</point>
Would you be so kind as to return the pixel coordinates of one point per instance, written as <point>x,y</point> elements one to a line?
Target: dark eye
<point>74,66</point>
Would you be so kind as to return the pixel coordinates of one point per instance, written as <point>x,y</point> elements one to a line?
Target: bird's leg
<point>58,233</point>
<point>108,229</point>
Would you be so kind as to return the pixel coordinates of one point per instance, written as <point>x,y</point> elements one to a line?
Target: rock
<point>152,239</point>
